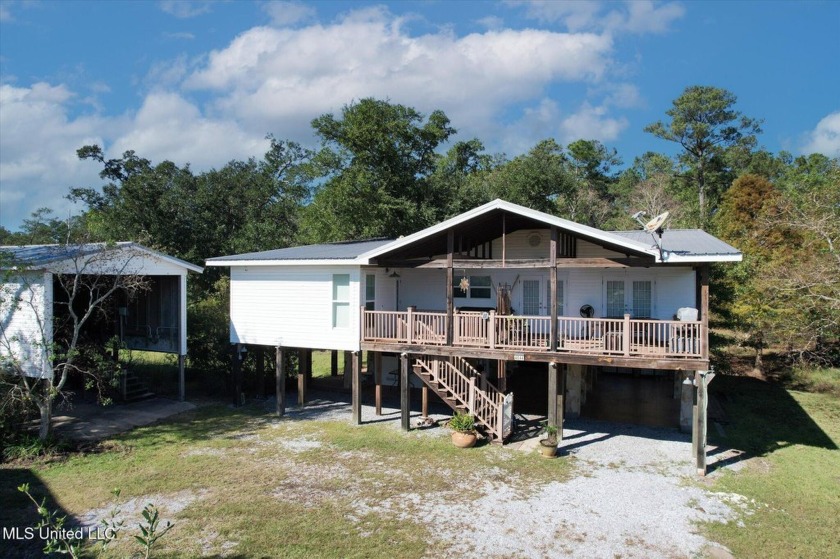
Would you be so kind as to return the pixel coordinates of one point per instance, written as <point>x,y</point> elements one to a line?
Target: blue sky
<point>204,82</point>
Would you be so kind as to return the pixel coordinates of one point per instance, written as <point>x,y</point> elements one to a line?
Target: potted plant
<point>463,430</point>
<point>548,445</point>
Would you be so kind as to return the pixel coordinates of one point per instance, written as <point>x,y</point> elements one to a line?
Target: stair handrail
<point>485,406</point>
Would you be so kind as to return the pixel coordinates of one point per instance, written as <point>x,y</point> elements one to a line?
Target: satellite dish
<point>586,311</point>
<point>656,223</point>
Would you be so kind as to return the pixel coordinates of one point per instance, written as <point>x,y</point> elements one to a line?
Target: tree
<point>535,179</point>
<point>245,206</point>
<point>740,292</point>
<point>704,122</point>
<point>41,361</point>
<point>375,162</point>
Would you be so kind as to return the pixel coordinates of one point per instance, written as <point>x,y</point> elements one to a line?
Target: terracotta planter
<point>463,439</point>
<point>548,448</point>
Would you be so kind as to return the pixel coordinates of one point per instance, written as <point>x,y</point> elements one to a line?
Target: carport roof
<point>41,256</point>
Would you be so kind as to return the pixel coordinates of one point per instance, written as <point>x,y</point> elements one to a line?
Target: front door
<point>533,293</point>
<point>624,295</point>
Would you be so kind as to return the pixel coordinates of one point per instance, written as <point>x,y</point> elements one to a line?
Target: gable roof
<point>680,246</point>
<point>42,256</point>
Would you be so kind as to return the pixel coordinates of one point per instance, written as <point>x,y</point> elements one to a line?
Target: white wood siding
<point>292,307</point>
<point>424,289</point>
<point>26,324</point>
<point>673,288</point>
<point>586,249</point>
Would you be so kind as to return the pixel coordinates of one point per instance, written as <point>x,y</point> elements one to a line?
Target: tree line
<point>381,169</point>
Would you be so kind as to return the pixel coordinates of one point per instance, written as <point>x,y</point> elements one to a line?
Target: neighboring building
<point>500,283</point>
<point>31,300</point>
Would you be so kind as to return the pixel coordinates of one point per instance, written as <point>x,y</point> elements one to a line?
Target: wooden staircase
<point>464,389</point>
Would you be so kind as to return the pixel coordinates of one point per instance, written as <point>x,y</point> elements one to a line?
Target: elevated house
<point>38,284</point>
<point>459,302</point>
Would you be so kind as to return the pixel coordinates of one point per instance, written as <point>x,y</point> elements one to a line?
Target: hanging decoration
<point>464,284</point>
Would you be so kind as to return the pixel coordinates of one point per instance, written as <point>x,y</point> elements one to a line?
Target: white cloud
<point>825,138</point>
<point>288,13</point>
<point>38,149</point>
<point>184,9</point>
<point>636,16</point>
<point>591,123</point>
<point>169,127</point>
<point>277,78</point>
<point>5,13</point>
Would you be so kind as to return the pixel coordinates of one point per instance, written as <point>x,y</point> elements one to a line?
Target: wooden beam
<point>552,257</point>
<point>377,379</point>
<point>542,356</point>
<point>450,247</point>
<point>357,388</point>
<point>334,363</point>
<point>699,432</point>
<point>302,375</point>
<point>405,393</point>
<point>561,403</point>
<point>280,381</point>
<point>482,264</point>
<point>552,395</point>
<point>425,402</point>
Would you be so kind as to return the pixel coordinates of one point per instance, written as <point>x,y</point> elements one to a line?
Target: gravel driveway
<point>635,495</point>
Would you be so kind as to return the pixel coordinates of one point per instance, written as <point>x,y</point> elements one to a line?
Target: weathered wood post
<point>561,404</point>
<point>348,369</point>
<point>280,381</point>
<point>424,410</point>
<point>552,395</point>
<point>702,378</point>
<point>356,396</point>
<point>333,363</point>
<point>302,376</point>
<point>377,379</point>
<point>625,335</point>
<point>405,394</point>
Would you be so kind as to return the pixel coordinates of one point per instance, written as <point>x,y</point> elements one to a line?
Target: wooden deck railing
<point>595,336</point>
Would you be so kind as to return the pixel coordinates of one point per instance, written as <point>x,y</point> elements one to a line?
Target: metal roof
<point>690,245</point>
<point>685,242</point>
<point>343,250</point>
<point>40,256</point>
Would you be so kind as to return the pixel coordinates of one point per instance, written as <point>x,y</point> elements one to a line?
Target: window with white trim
<point>341,300</point>
<point>480,288</point>
<point>370,292</point>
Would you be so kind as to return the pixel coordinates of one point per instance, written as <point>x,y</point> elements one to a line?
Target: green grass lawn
<point>793,471</point>
<point>278,488</point>
<point>302,488</point>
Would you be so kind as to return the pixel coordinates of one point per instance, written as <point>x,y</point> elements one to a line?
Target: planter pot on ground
<point>548,448</point>
<point>463,439</point>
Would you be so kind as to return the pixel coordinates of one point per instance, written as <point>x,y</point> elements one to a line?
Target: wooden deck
<point>665,344</point>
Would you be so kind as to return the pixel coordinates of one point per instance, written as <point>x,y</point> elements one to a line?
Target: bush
<point>15,411</point>
<point>462,422</point>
